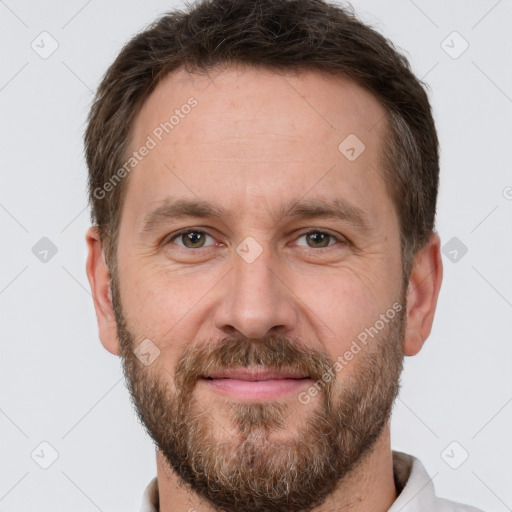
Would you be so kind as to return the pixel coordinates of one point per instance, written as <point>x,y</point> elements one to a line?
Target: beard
<point>250,457</point>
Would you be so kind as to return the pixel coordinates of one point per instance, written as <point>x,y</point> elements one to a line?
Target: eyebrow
<point>177,208</point>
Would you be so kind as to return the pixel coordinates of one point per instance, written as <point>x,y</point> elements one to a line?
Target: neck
<point>369,487</point>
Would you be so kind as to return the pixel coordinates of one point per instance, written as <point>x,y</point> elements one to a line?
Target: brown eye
<point>318,239</point>
<point>192,239</point>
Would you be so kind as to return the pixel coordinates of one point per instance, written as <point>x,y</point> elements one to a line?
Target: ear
<point>100,281</point>
<point>422,294</point>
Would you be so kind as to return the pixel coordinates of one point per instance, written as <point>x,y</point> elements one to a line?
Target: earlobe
<point>422,295</point>
<point>100,282</point>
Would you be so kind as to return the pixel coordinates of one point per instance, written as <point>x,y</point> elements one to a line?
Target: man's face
<point>247,309</point>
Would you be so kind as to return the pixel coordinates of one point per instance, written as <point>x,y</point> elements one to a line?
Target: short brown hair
<point>278,35</point>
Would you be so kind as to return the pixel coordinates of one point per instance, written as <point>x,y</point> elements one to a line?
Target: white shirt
<point>416,489</point>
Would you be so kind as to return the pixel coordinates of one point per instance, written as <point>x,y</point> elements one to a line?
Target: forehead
<point>242,135</point>
<point>312,104</point>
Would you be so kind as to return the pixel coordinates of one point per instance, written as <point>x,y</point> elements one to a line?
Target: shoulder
<point>416,489</point>
<point>150,501</point>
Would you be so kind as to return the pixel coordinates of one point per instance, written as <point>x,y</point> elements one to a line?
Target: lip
<point>253,374</point>
<point>248,384</point>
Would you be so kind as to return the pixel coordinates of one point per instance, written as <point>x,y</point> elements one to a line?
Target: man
<point>263,181</point>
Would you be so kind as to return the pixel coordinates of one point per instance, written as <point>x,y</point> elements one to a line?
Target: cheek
<point>342,305</point>
<point>159,303</point>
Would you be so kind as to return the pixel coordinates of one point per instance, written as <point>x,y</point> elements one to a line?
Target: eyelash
<point>170,240</point>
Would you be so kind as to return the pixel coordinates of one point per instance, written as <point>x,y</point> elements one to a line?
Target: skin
<point>256,141</point>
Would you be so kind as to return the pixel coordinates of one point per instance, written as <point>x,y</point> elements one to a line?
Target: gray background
<point>59,386</point>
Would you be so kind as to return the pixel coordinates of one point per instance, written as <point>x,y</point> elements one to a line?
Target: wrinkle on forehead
<point>254,101</point>
<point>256,135</point>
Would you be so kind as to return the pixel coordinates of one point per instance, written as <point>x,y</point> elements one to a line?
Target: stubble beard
<point>257,461</point>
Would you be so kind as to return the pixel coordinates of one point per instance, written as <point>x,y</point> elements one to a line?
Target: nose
<point>255,300</point>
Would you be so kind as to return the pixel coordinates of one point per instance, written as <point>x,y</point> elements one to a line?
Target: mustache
<point>274,353</point>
